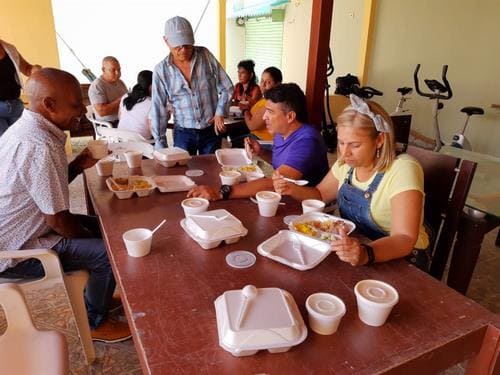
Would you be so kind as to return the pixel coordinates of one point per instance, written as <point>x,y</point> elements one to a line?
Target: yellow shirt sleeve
<point>404,174</point>
<point>261,133</point>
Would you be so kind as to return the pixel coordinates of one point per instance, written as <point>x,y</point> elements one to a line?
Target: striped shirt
<point>192,107</point>
<point>34,175</point>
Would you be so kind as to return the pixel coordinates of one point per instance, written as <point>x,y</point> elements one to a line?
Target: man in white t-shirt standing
<point>106,91</point>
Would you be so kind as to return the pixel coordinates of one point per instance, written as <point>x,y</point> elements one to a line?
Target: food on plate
<point>248,168</point>
<point>139,184</point>
<point>123,183</point>
<point>322,229</point>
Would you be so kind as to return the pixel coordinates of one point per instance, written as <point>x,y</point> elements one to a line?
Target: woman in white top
<point>135,106</point>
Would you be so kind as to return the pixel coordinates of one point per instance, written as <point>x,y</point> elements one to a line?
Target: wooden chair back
<point>447,181</point>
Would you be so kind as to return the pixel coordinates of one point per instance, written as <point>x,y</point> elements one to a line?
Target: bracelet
<point>370,253</point>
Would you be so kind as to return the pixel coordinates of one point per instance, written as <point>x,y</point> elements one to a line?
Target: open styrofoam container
<point>268,320</point>
<point>234,157</point>
<point>294,249</point>
<point>173,183</point>
<point>210,228</point>
<point>119,148</point>
<point>127,193</point>
<point>168,157</point>
<point>320,226</point>
<point>245,170</point>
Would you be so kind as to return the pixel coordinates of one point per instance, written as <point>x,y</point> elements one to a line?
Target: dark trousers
<point>77,254</point>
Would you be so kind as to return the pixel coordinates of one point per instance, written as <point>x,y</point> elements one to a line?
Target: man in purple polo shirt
<point>298,151</point>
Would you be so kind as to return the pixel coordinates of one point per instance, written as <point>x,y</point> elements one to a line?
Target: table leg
<point>466,250</point>
<point>486,361</point>
<point>88,200</point>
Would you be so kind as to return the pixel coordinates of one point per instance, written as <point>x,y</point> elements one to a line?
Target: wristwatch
<point>225,190</point>
<point>370,253</point>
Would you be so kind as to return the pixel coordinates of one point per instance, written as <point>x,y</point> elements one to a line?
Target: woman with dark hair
<point>135,106</point>
<point>247,88</point>
<point>254,114</point>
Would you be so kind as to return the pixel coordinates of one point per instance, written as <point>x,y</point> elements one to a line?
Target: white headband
<point>359,105</point>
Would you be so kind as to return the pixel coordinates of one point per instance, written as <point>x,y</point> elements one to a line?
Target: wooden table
<point>169,297</point>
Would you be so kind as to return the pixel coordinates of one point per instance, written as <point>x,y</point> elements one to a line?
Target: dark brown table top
<point>169,295</point>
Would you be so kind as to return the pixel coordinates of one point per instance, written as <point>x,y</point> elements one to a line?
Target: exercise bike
<point>442,91</point>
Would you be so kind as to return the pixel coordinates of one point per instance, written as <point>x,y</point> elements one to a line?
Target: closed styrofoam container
<point>125,194</point>
<point>303,221</point>
<point>284,247</point>
<point>210,228</point>
<point>168,157</point>
<point>269,321</point>
<point>173,183</point>
<point>232,156</point>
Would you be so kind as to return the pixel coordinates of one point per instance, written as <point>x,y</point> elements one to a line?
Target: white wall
<point>460,33</point>
<point>130,30</point>
<point>235,47</point>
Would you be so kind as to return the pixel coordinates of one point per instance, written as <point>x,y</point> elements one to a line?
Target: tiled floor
<point>122,359</point>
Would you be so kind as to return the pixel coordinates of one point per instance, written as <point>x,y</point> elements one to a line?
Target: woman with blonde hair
<point>381,193</point>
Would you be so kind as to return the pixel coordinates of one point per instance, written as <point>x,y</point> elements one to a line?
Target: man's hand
<point>85,160</point>
<point>252,147</point>
<point>349,250</point>
<point>281,186</point>
<point>212,193</point>
<point>218,122</point>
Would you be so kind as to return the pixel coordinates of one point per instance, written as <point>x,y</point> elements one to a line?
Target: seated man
<point>298,150</point>
<point>106,91</point>
<point>34,197</point>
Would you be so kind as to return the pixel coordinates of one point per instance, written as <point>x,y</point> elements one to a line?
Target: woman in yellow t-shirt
<point>253,118</point>
<point>381,193</point>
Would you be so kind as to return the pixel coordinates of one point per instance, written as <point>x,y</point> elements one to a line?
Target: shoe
<point>115,304</point>
<point>111,331</point>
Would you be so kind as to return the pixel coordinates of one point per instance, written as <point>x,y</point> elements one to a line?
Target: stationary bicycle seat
<point>404,90</point>
<point>472,111</point>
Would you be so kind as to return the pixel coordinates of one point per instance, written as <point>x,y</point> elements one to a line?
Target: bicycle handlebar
<point>445,95</point>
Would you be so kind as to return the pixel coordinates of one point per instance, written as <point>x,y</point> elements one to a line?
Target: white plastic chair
<point>74,285</point>
<point>121,135</point>
<point>97,124</point>
<point>23,348</point>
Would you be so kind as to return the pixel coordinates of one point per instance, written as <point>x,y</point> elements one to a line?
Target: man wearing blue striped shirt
<point>191,84</point>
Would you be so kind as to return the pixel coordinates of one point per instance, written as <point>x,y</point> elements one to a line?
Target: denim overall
<point>354,205</point>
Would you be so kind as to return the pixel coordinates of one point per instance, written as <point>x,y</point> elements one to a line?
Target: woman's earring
<point>378,153</point>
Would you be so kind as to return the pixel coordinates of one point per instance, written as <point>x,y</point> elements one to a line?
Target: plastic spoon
<point>158,226</point>
<point>256,202</point>
<point>249,292</point>
<point>296,182</point>
<point>218,218</point>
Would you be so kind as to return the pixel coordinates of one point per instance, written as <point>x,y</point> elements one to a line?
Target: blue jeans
<point>202,141</point>
<point>10,111</point>
<point>77,254</point>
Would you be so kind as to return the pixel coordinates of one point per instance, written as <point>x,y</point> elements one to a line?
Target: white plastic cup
<point>134,158</point>
<point>230,177</point>
<point>98,148</point>
<point>325,312</point>
<point>268,202</point>
<point>312,205</point>
<point>138,241</point>
<point>194,206</point>
<point>105,167</point>
<point>375,301</point>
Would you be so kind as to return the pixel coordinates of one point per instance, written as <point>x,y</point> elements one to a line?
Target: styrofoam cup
<point>230,177</point>
<point>268,202</point>
<point>98,148</point>
<point>138,241</point>
<point>312,205</point>
<point>375,301</point>
<point>194,206</point>
<point>134,158</point>
<point>325,312</point>
<point>105,166</point>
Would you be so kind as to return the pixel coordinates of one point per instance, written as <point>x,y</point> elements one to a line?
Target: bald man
<point>34,196</point>
<point>106,91</point>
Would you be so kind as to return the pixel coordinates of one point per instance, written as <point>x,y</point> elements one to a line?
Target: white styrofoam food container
<point>119,148</point>
<point>245,170</point>
<point>267,319</point>
<point>210,228</point>
<point>168,157</point>
<point>294,249</point>
<point>173,183</point>
<point>125,187</point>
<point>320,226</point>
<point>234,157</point>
